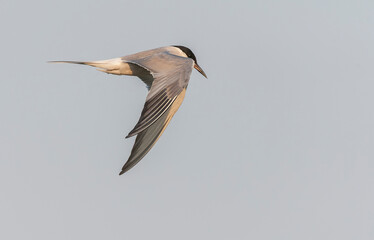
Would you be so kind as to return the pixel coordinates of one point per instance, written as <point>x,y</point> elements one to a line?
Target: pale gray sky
<point>279,138</point>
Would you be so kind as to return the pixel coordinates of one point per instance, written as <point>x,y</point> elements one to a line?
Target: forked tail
<point>109,66</point>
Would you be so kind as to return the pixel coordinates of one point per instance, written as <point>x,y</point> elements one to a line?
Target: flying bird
<point>166,72</point>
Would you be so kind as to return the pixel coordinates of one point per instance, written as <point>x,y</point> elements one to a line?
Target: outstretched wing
<point>171,75</point>
<point>147,138</point>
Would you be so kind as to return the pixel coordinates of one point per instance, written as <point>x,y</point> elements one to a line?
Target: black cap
<point>187,51</point>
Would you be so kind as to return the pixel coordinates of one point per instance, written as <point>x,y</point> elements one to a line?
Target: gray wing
<point>171,75</point>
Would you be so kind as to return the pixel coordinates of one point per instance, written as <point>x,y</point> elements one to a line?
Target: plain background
<point>276,144</point>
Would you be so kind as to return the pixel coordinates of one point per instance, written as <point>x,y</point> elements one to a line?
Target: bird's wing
<point>147,138</point>
<point>171,75</point>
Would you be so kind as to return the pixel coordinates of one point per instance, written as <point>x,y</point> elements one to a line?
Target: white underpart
<point>113,66</point>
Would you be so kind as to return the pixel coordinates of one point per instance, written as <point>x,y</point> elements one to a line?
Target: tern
<point>166,72</point>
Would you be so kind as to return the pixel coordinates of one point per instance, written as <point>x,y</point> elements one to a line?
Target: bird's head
<point>190,54</point>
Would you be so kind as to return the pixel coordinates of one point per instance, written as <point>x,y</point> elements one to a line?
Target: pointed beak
<point>198,68</point>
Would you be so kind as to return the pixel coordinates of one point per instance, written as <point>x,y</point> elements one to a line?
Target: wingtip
<point>131,134</point>
<point>124,169</point>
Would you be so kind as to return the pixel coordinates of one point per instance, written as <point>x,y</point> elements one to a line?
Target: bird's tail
<point>109,66</point>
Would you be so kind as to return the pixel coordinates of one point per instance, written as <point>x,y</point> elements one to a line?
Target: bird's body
<point>166,72</point>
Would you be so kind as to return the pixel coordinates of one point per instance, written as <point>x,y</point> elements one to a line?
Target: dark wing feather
<point>143,143</point>
<point>147,138</point>
<point>153,109</point>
